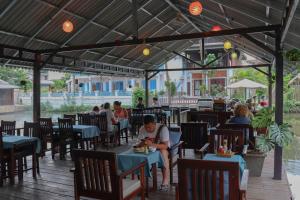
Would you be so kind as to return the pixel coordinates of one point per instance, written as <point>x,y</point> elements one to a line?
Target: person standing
<point>140,104</point>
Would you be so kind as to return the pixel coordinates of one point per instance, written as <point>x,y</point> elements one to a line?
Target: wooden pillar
<point>37,88</point>
<point>278,103</point>
<point>270,86</point>
<point>146,90</point>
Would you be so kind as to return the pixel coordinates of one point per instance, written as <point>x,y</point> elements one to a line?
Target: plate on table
<point>139,149</point>
<point>226,155</point>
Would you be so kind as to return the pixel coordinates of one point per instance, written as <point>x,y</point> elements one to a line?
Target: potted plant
<point>280,135</point>
<point>262,120</point>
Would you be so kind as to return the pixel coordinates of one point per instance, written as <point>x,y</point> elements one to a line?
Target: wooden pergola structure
<point>39,45</point>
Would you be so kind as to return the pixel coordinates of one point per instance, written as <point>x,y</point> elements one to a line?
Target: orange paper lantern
<point>68,26</point>
<point>195,8</point>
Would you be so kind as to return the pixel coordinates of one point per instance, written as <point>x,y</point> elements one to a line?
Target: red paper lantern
<point>195,8</point>
<point>216,28</point>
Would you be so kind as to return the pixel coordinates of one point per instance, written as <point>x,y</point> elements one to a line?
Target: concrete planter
<point>255,163</point>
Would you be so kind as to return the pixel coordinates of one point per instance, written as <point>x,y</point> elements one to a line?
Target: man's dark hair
<point>155,99</point>
<point>117,103</point>
<point>140,99</point>
<point>149,119</point>
<point>106,106</point>
<point>96,109</point>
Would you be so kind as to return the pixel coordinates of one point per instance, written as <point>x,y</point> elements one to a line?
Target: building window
<point>197,87</point>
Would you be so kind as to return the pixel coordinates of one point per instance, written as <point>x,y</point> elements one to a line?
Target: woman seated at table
<point>120,113</point>
<point>241,115</point>
<point>95,110</point>
<point>156,135</point>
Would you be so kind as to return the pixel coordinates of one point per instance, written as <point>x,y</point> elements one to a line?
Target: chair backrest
<point>210,117</point>
<point>102,122</point>
<point>219,107</point>
<point>46,126</point>
<point>84,118</point>
<point>224,116</point>
<point>137,111</point>
<point>235,140</point>
<point>194,135</point>
<point>65,127</point>
<point>96,174</point>
<point>1,148</point>
<point>202,179</point>
<point>247,130</point>
<point>73,117</point>
<point>32,129</point>
<point>8,127</point>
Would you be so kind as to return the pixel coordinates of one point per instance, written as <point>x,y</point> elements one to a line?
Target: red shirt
<point>121,113</point>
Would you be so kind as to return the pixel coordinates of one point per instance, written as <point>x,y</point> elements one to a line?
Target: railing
<point>178,100</point>
<point>85,94</point>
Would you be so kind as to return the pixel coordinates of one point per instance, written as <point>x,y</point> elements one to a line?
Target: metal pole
<point>278,104</point>
<point>37,88</point>
<point>270,86</point>
<point>203,50</point>
<point>146,89</point>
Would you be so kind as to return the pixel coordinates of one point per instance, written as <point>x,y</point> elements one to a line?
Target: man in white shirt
<point>149,132</point>
<point>155,102</point>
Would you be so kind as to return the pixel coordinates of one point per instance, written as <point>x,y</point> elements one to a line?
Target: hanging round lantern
<point>68,26</point>
<point>216,28</point>
<point>146,52</point>
<point>195,8</point>
<point>227,45</point>
<point>234,55</point>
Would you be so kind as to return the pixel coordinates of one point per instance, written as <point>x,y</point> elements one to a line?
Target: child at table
<point>156,135</point>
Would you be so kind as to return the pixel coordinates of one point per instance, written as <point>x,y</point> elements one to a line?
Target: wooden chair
<point>247,130</point>
<point>103,126</point>
<point>224,116</point>
<point>46,128</point>
<point>235,140</point>
<point>195,136</point>
<point>73,117</point>
<point>175,150</point>
<point>203,180</point>
<point>198,116</point>
<point>136,120</point>
<point>66,136</point>
<point>4,162</point>
<point>96,176</point>
<point>84,118</point>
<point>32,129</point>
<point>8,127</point>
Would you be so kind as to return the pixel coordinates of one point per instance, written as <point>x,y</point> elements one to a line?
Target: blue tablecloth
<point>123,123</point>
<point>235,158</point>
<point>86,131</point>
<point>167,112</point>
<point>10,140</point>
<point>130,159</point>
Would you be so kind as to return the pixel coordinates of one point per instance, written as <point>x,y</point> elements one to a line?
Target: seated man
<point>157,136</point>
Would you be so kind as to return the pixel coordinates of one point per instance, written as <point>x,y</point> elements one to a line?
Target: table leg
<point>11,168</point>
<point>147,186</point>
<point>154,175</point>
